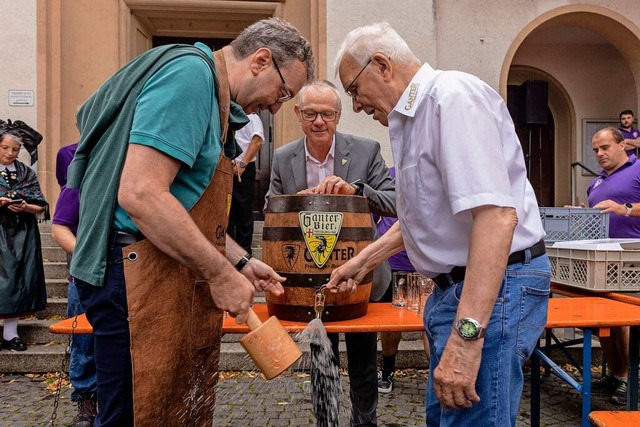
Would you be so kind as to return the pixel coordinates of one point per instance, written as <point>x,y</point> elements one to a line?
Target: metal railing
<point>573,179</point>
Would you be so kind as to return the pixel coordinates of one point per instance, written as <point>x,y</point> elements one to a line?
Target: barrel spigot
<point>318,304</point>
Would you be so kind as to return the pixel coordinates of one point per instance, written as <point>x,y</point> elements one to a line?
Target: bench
<point>615,418</point>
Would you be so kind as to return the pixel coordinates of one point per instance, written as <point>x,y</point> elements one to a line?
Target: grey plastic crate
<point>562,224</point>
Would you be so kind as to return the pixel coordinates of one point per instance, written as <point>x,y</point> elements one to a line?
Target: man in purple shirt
<point>616,191</point>
<point>82,368</point>
<point>631,135</point>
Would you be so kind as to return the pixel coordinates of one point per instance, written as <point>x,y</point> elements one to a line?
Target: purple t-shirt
<point>63,159</point>
<point>622,186</point>
<point>631,134</point>
<point>68,209</point>
<point>399,261</point>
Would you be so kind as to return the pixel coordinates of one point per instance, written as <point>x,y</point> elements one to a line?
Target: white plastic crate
<point>562,224</point>
<point>608,265</point>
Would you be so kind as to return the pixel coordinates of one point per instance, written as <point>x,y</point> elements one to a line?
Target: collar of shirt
<point>408,102</point>
<point>631,160</point>
<point>318,170</point>
<point>330,154</point>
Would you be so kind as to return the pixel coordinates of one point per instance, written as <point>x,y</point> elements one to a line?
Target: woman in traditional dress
<point>22,285</point>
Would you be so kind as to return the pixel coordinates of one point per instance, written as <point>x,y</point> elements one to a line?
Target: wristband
<point>243,261</point>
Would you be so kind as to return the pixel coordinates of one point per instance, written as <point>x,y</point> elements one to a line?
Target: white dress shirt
<point>455,148</point>
<point>318,170</point>
<point>246,134</point>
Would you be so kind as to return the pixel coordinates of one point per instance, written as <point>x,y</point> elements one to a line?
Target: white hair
<point>361,43</point>
<point>321,85</point>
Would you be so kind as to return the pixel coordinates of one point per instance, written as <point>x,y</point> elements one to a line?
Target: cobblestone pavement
<point>246,399</point>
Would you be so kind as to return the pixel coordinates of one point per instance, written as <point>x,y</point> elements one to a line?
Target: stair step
<point>55,307</point>
<point>37,332</point>
<point>57,288</point>
<point>56,270</point>
<point>53,254</point>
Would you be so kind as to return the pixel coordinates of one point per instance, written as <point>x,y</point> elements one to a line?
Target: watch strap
<point>243,261</point>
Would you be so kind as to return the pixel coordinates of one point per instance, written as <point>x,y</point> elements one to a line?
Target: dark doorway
<point>537,141</point>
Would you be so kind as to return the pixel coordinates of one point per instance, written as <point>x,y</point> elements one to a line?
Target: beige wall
<point>412,19</point>
<point>18,66</point>
<point>64,49</point>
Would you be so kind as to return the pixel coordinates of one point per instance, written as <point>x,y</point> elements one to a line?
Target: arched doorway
<point>589,55</point>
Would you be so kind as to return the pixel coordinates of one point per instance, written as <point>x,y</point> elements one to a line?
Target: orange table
<point>381,317</point>
<point>589,314</point>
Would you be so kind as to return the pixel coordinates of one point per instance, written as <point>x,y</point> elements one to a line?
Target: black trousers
<point>362,352</point>
<point>241,215</point>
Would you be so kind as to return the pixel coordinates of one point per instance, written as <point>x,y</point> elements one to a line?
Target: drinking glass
<point>399,289</point>
<point>426,289</point>
<point>413,291</point>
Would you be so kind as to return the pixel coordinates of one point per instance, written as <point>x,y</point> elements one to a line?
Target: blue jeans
<point>517,321</point>
<point>107,312</point>
<point>82,366</point>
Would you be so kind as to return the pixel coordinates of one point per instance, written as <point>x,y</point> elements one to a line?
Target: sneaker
<point>607,384</point>
<point>86,413</point>
<point>15,344</point>
<point>385,383</point>
<point>619,396</point>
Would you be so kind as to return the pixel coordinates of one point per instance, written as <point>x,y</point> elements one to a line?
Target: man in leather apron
<point>155,181</point>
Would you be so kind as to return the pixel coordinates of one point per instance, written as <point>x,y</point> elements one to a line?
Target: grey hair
<point>11,134</point>
<point>615,134</point>
<point>362,43</point>
<point>321,85</point>
<point>283,40</point>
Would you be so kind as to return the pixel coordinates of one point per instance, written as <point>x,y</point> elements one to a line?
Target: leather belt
<point>456,275</point>
<point>123,239</point>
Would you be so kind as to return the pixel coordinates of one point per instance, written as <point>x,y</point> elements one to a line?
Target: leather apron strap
<point>174,324</point>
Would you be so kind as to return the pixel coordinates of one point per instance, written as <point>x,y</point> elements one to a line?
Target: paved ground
<point>246,399</point>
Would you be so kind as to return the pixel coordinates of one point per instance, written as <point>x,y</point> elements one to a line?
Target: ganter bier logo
<point>320,230</point>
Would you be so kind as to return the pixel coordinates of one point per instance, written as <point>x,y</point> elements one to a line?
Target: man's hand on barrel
<point>332,185</point>
<point>232,292</point>
<point>348,276</point>
<point>263,277</point>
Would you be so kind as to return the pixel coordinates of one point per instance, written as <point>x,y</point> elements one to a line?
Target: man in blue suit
<point>328,162</point>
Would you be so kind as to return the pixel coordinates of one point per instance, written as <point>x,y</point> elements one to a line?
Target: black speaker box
<point>534,96</point>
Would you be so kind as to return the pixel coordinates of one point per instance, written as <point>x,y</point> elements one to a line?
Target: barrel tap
<point>319,301</point>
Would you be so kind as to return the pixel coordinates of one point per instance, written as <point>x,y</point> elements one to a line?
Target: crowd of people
<point>176,160</point>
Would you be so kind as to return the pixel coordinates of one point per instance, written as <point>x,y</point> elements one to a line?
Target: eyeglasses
<point>289,95</point>
<point>351,91</point>
<point>311,116</point>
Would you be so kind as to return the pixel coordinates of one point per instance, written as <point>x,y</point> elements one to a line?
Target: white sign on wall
<point>21,98</point>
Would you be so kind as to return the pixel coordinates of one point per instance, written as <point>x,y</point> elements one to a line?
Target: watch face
<point>467,329</point>
<point>629,205</point>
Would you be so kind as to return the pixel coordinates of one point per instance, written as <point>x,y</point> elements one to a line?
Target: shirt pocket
<point>416,203</point>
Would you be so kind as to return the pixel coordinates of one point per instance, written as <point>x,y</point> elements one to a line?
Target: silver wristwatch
<point>468,328</point>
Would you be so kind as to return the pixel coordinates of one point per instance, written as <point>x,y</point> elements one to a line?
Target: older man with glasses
<point>328,162</point>
<point>468,218</point>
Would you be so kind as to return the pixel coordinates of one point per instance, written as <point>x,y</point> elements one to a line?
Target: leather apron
<point>175,326</point>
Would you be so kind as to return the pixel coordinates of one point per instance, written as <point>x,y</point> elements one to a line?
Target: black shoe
<point>87,411</point>
<point>385,383</point>
<point>619,396</point>
<point>607,384</point>
<point>15,344</point>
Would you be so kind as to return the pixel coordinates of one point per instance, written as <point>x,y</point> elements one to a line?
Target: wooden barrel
<point>304,239</point>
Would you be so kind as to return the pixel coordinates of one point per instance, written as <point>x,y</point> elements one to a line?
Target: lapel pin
<point>344,162</point>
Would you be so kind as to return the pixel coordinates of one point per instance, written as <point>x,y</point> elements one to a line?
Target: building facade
<point>584,55</point>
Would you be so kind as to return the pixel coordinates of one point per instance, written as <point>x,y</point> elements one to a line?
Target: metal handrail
<point>573,180</point>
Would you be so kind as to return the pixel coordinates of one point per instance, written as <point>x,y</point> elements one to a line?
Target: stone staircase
<point>46,351</point>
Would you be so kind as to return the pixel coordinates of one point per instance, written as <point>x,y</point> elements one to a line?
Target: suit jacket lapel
<point>342,157</point>
<point>299,166</point>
